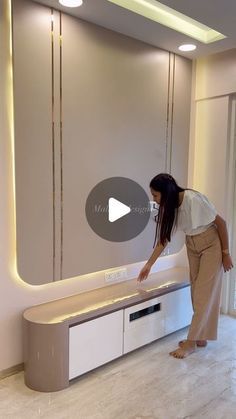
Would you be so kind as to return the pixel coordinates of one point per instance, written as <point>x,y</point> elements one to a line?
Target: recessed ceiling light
<point>158,12</point>
<point>187,47</point>
<point>71,3</point>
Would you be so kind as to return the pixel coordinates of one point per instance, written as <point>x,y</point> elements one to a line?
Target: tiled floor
<point>146,383</point>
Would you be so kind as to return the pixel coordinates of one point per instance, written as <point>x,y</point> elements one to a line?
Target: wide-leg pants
<point>205,262</point>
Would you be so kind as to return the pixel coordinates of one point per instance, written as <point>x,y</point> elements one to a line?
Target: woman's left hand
<point>227,263</point>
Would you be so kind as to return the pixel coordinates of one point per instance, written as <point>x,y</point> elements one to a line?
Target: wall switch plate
<point>116,275</point>
<point>153,206</point>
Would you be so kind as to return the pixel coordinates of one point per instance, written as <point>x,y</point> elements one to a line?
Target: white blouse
<point>195,214</point>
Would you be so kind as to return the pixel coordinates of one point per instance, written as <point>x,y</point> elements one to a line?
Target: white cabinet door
<point>95,342</point>
<point>178,311</point>
<point>143,324</point>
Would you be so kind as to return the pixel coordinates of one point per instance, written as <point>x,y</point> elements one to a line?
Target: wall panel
<point>114,122</point>
<point>33,140</point>
<point>89,104</point>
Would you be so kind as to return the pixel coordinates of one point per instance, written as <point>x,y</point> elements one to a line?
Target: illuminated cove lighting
<point>166,16</point>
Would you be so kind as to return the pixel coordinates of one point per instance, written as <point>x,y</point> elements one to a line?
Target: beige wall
<point>211,136</point>
<point>214,87</point>
<point>212,141</point>
<point>216,75</point>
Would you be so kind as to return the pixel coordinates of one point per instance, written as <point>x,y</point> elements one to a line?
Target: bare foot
<point>187,348</point>
<point>199,343</point>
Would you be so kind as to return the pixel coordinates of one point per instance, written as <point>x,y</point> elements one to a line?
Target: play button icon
<point>117,209</point>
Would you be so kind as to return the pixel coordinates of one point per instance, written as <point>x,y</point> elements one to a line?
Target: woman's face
<point>156,196</point>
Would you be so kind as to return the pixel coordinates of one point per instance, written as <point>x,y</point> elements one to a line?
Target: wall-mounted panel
<point>33,140</point>
<point>114,124</point>
<point>90,104</point>
<point>181,119</point>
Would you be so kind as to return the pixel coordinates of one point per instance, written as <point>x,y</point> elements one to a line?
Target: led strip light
<point>158,12</point>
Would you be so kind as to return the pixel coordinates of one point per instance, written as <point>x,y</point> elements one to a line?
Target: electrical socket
<point>166,251</point>
<point>117,275</point>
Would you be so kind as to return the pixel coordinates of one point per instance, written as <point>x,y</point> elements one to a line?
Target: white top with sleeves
<point>195,214</point>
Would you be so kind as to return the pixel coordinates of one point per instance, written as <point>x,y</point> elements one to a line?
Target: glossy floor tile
<point>145,384</point>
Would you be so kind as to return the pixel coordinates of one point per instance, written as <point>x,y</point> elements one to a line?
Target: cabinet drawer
<point>177,307</point>
<point>142,314</point>
<point>143,324</point>
<point>95,342</point>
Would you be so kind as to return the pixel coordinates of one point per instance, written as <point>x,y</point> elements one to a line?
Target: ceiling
<point>217,14</point>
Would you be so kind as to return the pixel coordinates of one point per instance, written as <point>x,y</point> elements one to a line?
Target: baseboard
<point>11,371</point>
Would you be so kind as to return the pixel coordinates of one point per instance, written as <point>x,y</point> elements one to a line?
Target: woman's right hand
<point>144,272</point>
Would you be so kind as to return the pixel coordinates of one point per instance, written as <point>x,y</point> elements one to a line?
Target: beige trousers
<point>205,262</point>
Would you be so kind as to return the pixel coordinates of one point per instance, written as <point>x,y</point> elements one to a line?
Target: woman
<point>207,249</point>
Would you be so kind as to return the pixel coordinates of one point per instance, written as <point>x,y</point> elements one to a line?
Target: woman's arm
<point>147,267</point>
<point>223,234</point>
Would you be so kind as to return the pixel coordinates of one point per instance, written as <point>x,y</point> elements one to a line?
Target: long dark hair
<point>168,209</point>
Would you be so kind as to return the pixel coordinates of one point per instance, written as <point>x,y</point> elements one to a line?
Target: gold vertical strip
<point>53,145</point>
<point>167,117</point>
<point>61,151</point>
<point>172,112</point>
<point>8,15</point>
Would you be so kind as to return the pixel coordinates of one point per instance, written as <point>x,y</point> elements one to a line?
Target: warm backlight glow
<point>71,3</point>
<point>158,12</point>
<point>187,47</point>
